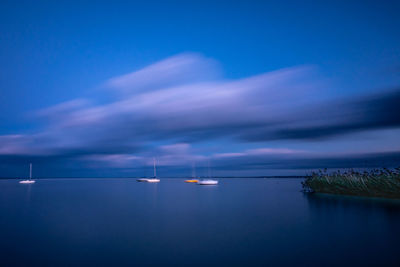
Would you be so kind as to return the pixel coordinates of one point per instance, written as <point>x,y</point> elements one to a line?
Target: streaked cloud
<point>172,107</point>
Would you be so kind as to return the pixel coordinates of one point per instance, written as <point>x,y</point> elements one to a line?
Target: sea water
<point>248,222</point>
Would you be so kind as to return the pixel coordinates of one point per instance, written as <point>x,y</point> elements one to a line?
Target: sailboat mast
<point>194,170</point>
<point>154,167</point>
<point>209,172</point>
<point>30,170</point>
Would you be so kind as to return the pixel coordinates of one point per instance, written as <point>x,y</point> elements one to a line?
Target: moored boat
<point>207,182</point>
<point>151,180</point>
<point>29,181</point>
<point>191,181</point>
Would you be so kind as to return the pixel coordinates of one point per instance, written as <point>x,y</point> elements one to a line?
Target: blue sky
<point>256,87</point>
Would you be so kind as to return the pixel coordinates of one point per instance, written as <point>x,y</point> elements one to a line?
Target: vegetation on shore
<point>376,183</point>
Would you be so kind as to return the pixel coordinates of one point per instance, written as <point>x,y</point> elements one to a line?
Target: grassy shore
<point>376,183</point>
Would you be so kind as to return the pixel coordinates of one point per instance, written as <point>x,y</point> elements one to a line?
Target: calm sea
<point>118,222</point>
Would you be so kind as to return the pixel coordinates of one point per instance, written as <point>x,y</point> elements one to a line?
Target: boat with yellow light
<point>193,178</point>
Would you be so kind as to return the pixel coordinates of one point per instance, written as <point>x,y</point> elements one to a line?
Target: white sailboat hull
<point>27,181</point>
<point>153,180</point>
<point>148,180</point>
<point>207,182</point>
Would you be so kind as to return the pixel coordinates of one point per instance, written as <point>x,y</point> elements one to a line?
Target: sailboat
<point>154,179</point>
<point>193,180</point>
<point>208,181</point>
<point>151,180</point>
<point>29,181</point>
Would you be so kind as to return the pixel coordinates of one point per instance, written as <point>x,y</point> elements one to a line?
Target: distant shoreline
<point>182,177</point>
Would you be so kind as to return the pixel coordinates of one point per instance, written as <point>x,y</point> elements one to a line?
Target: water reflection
<point>239,222</point>
<point>361,231</point>
<point>28,194</point>
<point>326,203</point>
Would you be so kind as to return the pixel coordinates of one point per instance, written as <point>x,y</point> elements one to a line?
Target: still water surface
<point>117,222</point>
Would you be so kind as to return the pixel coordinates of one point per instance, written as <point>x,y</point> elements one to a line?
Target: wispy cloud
<point>178,70</point>
<point>338,117</point>
<point>167,108</point>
